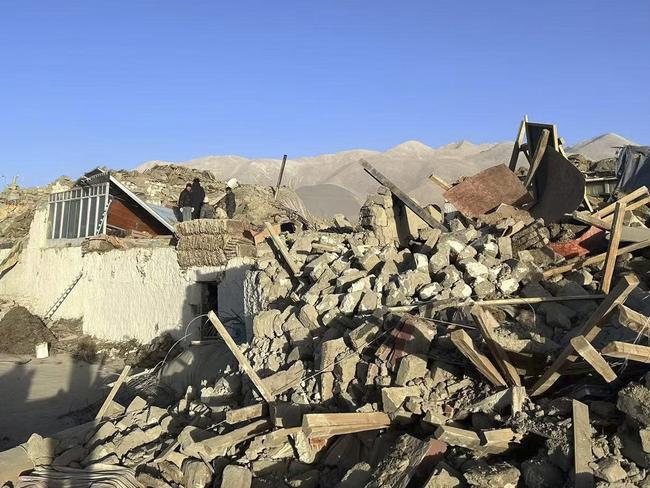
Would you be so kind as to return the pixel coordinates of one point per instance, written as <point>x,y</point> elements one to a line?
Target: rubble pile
<point>355,391</point>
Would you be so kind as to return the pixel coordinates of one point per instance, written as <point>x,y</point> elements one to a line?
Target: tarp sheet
<point>633,168</point>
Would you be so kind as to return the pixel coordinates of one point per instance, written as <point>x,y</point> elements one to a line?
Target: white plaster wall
<point>137,293</point>
<point>231,293</point>
<point>42,274</point>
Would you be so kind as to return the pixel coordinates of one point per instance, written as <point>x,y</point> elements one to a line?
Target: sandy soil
<point>46,395</point>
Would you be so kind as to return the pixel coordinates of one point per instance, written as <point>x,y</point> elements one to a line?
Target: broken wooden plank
<point>589,219</point>
<point>218,445</point>
<point>599,258</point>
<point>487,190</point>
<point>537,157</point>
<point>634,320</point>
<point>246,413</point>
<point>279,244</point>
<point>486,324</point>
<point>624,350</point>
<point>612,249</point>
<point>440,182</point>
<point>639,203</point>
<point>464,344</point>
<point>630,197</point>
<point>330,424</point>
<point>111,394</point>
<point>517,398</point>
<point>401,195</point>
<point>277,187</point>
<point>590,330</point>
<point>593,357</point>
<point>584,477</point>
<point>533,300</point>
<point>241,359</point>
<point>516,148</point>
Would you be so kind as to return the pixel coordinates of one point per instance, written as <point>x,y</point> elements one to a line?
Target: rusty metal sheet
<point>487,190</point>
<point>590,242</point>
<point>559,187</point>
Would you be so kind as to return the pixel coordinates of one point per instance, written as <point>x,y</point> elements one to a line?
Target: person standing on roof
<point>229,199</point>
<point>185,203</point>
<point>198,195</point>
<point>207,210</point>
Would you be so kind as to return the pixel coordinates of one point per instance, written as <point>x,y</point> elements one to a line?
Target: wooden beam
<point>402,196</point>
<point>590,330</point>
<point>593,357</point>
<point>440,182</point>
<point>464,344</point>
<point>623,350</point>
<point>636,321</point>
<point>630,197</point>
<point>516,148</point>
<point>537,157</point>
<point>330,424</point>
<point>243,361</point>
<point>293,267</point>
<point>599,258</point>
<point>246,413</point>
<point>614,241</point>
<point>486,324</point>
<point>534,300</point>
<point>582,455</point>
<point>111,394</point>
<point>277,187</point>
<point>589,219</point>
<point>639,203</point>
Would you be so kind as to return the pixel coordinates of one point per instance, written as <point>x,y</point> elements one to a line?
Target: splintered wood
<point>623,350</point>
<point>282,249</point>
<point>612,250</point>
<point>633,320</point>
<point>331,424</point>
<point>111,395</point>
<point>486,324</point>
<point>593,357</point>
<point>584,477</point>
<point>590,330</point>
<point>464,344</point>
<point>241,359</point>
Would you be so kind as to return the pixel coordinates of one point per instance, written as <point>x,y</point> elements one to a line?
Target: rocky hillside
<point>335,183</point>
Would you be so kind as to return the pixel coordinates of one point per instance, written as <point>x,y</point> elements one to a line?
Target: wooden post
<point>277,187</point>
<point>593,357</point>
<point>584,476</point>
<point>464,343</point>
<point>623,350</point>
<point>440,182</point>
<point>537,157</point>
<point>111,394</point>
<point>599,258</point>
<point>630,197</point>
<point>402,196</point>
<point>516,148</point>
<point>486,324</point>
<point>293,267</point>
<point>590,330</point>
<point>614,241</point>
<point>243,361</point>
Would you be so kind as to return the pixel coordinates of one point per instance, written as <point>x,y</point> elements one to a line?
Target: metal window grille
<point>79,212</point>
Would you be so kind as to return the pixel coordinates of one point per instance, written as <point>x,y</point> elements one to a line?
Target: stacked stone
<point>376,215</point>
<point>210,242</point>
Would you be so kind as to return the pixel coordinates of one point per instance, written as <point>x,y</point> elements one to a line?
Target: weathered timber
<point>590,330</point>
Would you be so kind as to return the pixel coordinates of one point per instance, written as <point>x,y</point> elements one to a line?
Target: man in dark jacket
<point>185,203</point>
<point>198,195</point>
<point>229,203</point>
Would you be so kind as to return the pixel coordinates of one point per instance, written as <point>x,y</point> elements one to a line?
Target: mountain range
<point>336,183</point>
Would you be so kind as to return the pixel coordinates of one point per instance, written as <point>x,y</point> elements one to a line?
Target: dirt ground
<point>48,395</point>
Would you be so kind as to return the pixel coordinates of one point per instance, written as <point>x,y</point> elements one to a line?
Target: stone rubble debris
<point>367,328</point>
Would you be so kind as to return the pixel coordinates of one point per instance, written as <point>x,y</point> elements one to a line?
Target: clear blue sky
<point>84,83</point>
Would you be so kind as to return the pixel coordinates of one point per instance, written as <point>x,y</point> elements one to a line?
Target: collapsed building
<point>492,342</point>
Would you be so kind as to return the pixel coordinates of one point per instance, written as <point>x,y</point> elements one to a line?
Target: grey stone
<point>484,475</point>
<point>634,401</point>
<point>461,290</point>
<point>439,260</point>
<point>41,450</point>
<point>358,475</point>
<point>429,291</point>
<point>505,248</point>
<point>350,301</point>
<point>473,268</point>
<point>411,367</point>
<point>483,287</point>
<point>508,286</point>
<point>369,301</point>
<point>196,474</point>
<point>263,323</point>
<point>392,398</point>
<point>308,316</point>
<point>450,276</point>
<point>234,476</point>
<point>610,470</point>
<point>72,455</point>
